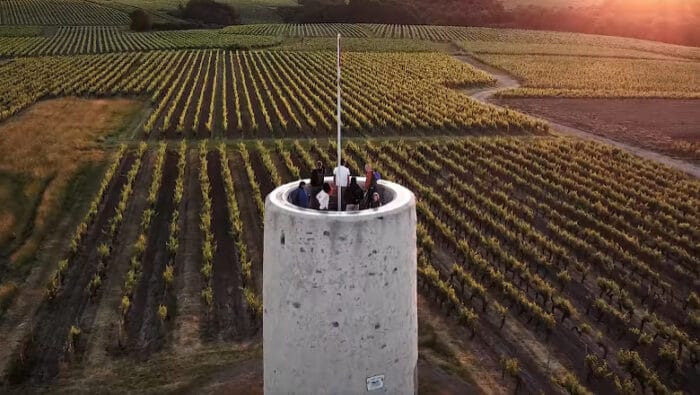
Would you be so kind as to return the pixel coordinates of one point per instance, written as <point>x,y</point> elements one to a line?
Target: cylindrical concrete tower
<point>339,297</point>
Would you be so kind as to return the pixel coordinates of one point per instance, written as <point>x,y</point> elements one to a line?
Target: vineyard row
<point>561,239</point>
<point>260,93</point>
<point>465,34</point>
<point>74,40</point>
<point>64,12</point>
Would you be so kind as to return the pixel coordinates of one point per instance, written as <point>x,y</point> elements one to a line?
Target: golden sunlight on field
<point>43,147</point>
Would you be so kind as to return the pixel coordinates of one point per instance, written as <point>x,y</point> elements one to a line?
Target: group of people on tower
<point>319,194</point>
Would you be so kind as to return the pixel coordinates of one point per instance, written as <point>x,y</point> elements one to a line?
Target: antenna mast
<point>339,136</point>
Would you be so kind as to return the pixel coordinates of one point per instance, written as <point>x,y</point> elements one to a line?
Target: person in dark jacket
<point>371,178</point>
<point>317,175</point>
<point>376,201</point>
<point>317,181</point>
<point>299,197</point>
<point>353,195</point>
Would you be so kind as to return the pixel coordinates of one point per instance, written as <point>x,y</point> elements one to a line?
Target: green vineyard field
<point>272,93</point>
<point>577,76</point>
<point>110,39</point>
<point>64,12</point>
<point>535,236</point>
<point>555,176</point>
<point>469,34</point>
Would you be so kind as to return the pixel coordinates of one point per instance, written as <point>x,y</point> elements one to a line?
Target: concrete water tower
<point>339,297</point>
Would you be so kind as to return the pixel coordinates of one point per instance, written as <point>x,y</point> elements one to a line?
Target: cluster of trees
<point>199,13</point>
<point>672,21</point>
<point>442,12</point>
<point>209,12</point>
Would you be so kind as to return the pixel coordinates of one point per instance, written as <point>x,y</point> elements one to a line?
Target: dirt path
<point>505,82</point>
<point>228,318</point>
<point>188,284</point>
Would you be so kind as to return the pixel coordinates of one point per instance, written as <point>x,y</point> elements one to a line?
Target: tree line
<point>675,22</point>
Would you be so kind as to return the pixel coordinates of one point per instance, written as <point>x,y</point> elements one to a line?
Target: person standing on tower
<point>342,178</point>
<point>324,196</point>
<point>354,195</point>
<point>371,178</point>
<point>299,197</point>
<point>317,182</point>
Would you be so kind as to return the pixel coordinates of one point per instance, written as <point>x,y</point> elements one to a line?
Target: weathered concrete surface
<point>339,293</point>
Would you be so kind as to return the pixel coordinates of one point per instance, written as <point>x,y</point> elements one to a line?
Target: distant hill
<point>672,21</point>
<point>510,4</point>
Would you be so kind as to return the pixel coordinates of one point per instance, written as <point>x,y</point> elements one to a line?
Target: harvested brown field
<point>668,126</point>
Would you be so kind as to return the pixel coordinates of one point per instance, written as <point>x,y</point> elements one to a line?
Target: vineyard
<point>17,41</point>
<point>64,12</point>
<point>512,48</point>
<point>432,33</point>
<point>136,166</point>
<point>525,37</point>
<point>573,246</point>
<point>300,30</point>
<point>470,35</point>
<point>420,32</point>
<point>272,93</point>
<point>352,44</point>
<point>19,31</point>
<point>111,38</point>
<point>76,40</point>
<point>581,76</point>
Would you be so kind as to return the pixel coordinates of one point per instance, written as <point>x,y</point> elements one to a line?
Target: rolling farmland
<point>599,77</point>
<point>552,239</point>
<point>78,40</point>
<point>514,48</point>
<point>480,40</point>
<point>71,12</point>
<point>546,262</point>
<point>267,95</point>
<point>472,34</point>
<point>300,30</point>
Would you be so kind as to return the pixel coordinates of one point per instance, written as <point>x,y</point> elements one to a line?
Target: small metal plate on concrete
<point>375,382</point>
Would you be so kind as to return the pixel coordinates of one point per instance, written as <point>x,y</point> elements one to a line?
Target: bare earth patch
<point>46,144</point>
<point>668,126</point>
<point>7,221</point>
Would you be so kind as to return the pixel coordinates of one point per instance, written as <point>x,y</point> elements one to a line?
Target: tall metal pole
<point>337,177</point>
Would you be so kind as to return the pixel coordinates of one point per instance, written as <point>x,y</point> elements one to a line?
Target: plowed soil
<point>655,124</point>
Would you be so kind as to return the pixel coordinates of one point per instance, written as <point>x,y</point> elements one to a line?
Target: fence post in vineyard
<point>340,206</point>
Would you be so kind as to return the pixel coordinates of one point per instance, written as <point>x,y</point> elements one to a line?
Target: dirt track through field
<point>505,82</point>
<point>188,284</point>
<point>228,316</point>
